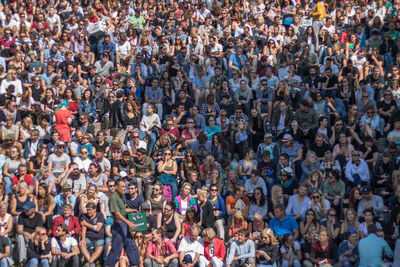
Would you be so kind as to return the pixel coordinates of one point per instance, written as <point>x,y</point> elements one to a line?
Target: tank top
<point>20,204</point>
<point>157,207</point>
<point>171,228</point>
<point>4,222</point>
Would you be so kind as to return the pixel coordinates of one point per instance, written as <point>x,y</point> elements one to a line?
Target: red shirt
<point>167,247</point>
<point>28,179</point>
<point>219,249</point>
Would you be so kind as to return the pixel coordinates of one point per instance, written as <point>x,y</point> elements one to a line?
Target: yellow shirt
<point>319,12</point>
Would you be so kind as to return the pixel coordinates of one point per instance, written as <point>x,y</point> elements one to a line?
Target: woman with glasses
<point>39,249</point>
<point>310,223</point>
<point>370,122</point>
<point>170,220</point>
<point>157,199</point>
<point>160,250</point>
<point>142,244</point>
<point>387,106</point>
<point>168,168</point>
<point>324,250</point>
<point>10,167</point>
<point>267,249</point>
<point>319,204</point>
<point>332,223</point>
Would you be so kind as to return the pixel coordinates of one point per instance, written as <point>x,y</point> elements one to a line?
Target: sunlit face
<point>91,190</point>
<point>186,189</point>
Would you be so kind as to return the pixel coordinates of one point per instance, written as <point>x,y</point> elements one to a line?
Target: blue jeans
<point>122,239</point>
<point>107,242</point>
<point>8,185</point>
<point>388,59</point>
<point>35,262</point>
<point>152,140</point>
<point>296,263</point>
<point>348,264</point>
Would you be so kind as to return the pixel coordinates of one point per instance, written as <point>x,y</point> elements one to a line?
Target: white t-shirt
<point>68,244</point>
<point>190,247</point>
<point>124,49</point>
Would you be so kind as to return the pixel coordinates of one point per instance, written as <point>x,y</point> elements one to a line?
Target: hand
<point>132,225</point>
<point>64,255</point>
<point>173,240</point>
<point>82,242</point>
<point>83,223</point>
<point>235,258</point>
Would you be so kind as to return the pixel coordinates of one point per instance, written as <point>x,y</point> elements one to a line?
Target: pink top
<point>167,247</point>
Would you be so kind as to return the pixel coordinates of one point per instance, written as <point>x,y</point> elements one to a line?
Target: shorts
<point>95,244</point>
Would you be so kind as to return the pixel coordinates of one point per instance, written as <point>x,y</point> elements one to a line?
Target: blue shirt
<point>59,202</point>
<point>371,248</point>
<point>286,226</point>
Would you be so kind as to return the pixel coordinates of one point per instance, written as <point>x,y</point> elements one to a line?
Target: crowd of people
<point>200,133</point>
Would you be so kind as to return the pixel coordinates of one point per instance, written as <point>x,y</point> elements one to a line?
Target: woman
<point>170,220</point>
<point>87,105</point>
<point>214,248</point>
<point>6,221</point>
<point>212,127</point>
<point>38,161</point>
<point>247,164</point>
<point>141,243</point>
<point>205,213</point>
<point>207,167</point>
<point>330,164</point>
<point>168,168</point>
<point>387,106</point>
<point>332,223</point>
<point>281,118</point>
<point>188,221</point>
<point>39,248</point>
<point>256,127</point>
<point>314,181</point>
<point>276,198</point>
<point>323,250</point>
<point>25,129</point>
<point>44,204</point>
<point>350,222</point>
<point>319,204</point>
<point>63,118</point>
<point>291,252</point>
<point>267,249</point>
<point>49,102</point>
<point>347,93</point>
<point>310,223</point>
<point>257,226</point>
<point>370,122</point>
<point>157,199</point>
<point>184,201</point>
<point>131,115</point>
<point>295,152</point>
<point>322,128</point>
<point>220,147</point>
<point>215,178</point>
<point>10,167</point>
<point>309,164</point>
<point>238,222</point>
<point>148,126</point>
<point>258,203</point>
<point>160,250</point>
<point>369,218</point>
<point>97,178</point>
<point>210,108</point>
<point>19,199</point>
<point>91,196</point>
<point>73,105</point>
<point>342,151</point>
<point>190,132</point>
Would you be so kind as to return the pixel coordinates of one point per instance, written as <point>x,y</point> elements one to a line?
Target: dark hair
<point>372,229</point>
<point>171,204</point>
<point>91,205</point>
<point>262,199</point>
<point>285,237</point>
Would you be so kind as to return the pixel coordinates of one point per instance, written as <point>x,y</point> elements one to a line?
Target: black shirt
<point>123,166</point>
<point>370,155</point>
<point>3,244</point>
<point>91,234</point>
<point>30,224</point>
<point>320,150</point>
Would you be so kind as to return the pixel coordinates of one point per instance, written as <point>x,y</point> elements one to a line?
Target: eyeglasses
<point>310,214</point>
<point>135,137</point>
<point>332,215</point>
<point>316,197</point>
<point>365,96</point>
<point>84,152</point>
<point>111,185</point>
<point>214,190</point>
<point>352,231</point>
<point>156,189</point>
<point>356,155</point>
<point>138,236</point>
<point>169,124</point>
<point>43,234</point>
<point>167,154</point>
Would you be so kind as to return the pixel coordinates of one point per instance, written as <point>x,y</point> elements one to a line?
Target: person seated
<point>323,251</point>
<point>283,224</point>
<point>160,250</point>
<point>64,248</point>
<point>92,234</point>
<point>73,221</point>
<point>39,248</point>
<point>191,249</point>
<point>242,251</point>
<point>214,248</point>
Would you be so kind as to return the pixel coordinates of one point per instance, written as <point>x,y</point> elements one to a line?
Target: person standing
<point>119,230</point>
<point>318,15</point>
<point>63,118</point>
<point>372,247</point>
<point>117,121</point>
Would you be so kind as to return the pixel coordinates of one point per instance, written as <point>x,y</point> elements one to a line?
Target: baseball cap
<point>145,206</point>
<point>268,135</point>
<point>287,137</point>
<point>29,205</point>
<point>60,143</point>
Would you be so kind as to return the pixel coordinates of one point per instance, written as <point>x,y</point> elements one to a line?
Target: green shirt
<point>394,35</point>
<point>117,203</point>
<point>137,22</point>
<point>371,44</point>
<point>331,191</point>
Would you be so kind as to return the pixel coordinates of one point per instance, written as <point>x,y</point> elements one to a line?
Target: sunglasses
<point>316,197</point>
<point>352,231</point>
<point>138,236</point>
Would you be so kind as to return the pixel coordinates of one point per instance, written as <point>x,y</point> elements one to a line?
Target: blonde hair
<point>3,204</point>
<point>274,195</point>
<point>346,222</point>
<point>202,192</point>
<point>238,215</point>
<point>270,233</point>
<point>210,233</point>
<point>184,185</point>
<point>395,178</point>
<point>36,234</point>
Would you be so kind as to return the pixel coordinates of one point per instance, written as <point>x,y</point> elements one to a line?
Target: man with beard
<point>75,179</point>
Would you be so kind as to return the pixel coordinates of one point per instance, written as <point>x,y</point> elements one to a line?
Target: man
<point>306,117</point>
<point>119,230</point>
<point>64,248</point>
<point>283,224</point>
<point>85,126</point>
<point>307,60</point>
<point>117,121</point>
<point>371,249</point>
<point>76,142</point>
<point>335,106</point>
<point>104,65</point>
<point>191,249</point>
<point>103,162</point>
<point>5,249</point>
<point>289,182</point>
<point>338,128</point>
<point>357,171</point>
<point>75,179</point>
<point>151,218</point>
<point>68,219</point>
<point>334,188</point>
<point>298,204</point>
<point>133,200</point>
<point>394,136</point>
<point>194,182</point>
<point>370,201</point>
<point>329,82</point>
<point>242,251</point>
<point>270,146</point>
<point>92,234</point>
<point>153,95</point>
<point>134,144</point>
<point>125,164</point>
<point>26,226</point>
<point>254,182</point>
<point>144,170</point>
<point>66,197</point>
<point>320,147</point>
<point>32,144</point>
<point>232,200</point>
<point>107,47</point>
<point>59,161</point>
